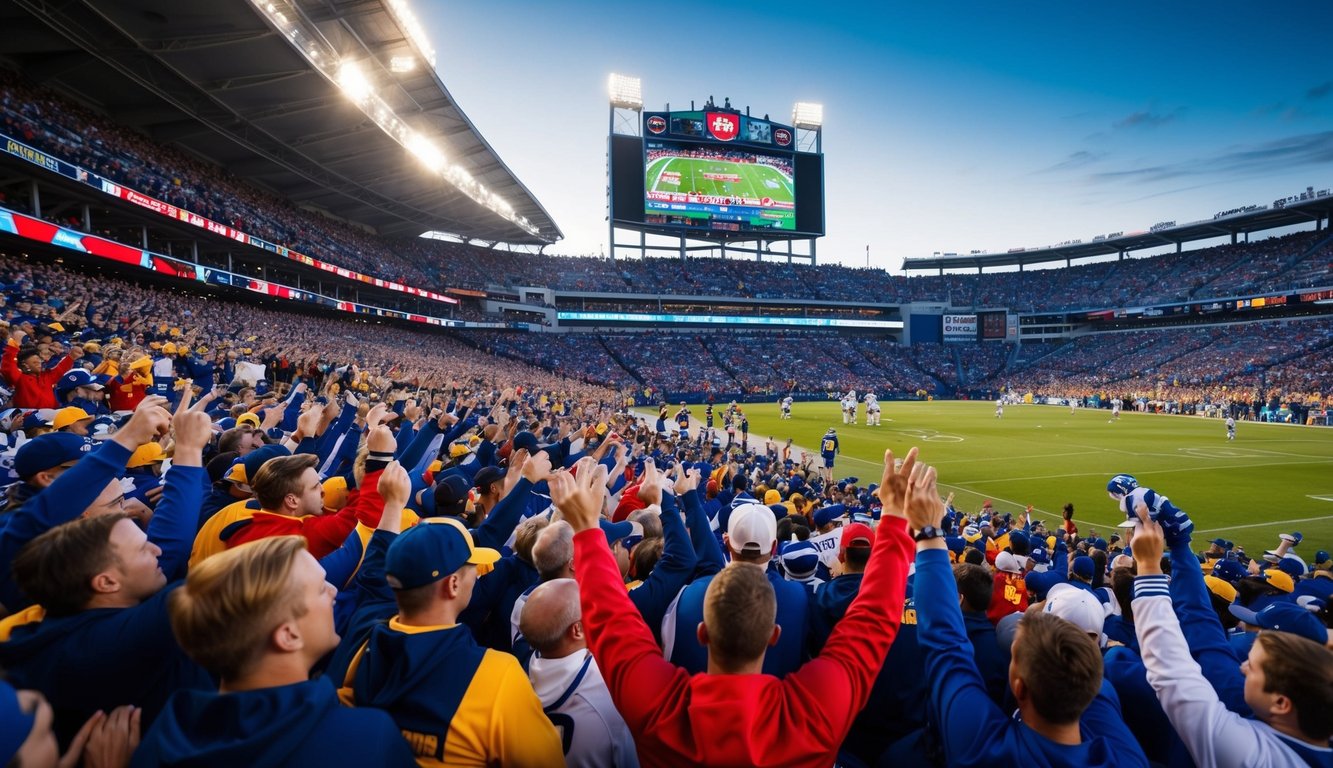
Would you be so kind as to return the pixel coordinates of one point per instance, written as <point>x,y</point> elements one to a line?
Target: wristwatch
<point>929,532</point>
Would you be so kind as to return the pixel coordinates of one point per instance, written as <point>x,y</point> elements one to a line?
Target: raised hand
<point>537,467</point>
<point>894,484</point>
<point>580,498</point>
<point>650,485</point>
<point>924,506</point>
<point>1148,542</point>
<point>687,481</point>
<point>395,487</point>
<point>150,420</point>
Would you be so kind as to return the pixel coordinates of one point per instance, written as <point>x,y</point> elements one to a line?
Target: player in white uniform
<point>872,410</point>
<point>1115,410</point>
<point>999,409</point>
<point>1073,404</point>
<point>786,407</point>
<point>1231,428</point>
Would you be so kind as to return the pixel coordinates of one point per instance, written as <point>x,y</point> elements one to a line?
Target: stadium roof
<point>218,79</point>
<point>1293,213</point>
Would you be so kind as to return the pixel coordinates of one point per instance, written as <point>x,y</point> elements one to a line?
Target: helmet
<point>1121,485</point>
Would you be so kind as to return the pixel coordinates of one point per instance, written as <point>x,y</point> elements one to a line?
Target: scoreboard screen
<point>716,173</point>
<point>706,186</point>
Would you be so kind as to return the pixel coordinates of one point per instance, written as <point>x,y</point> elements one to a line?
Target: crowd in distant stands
<point>73,133</point>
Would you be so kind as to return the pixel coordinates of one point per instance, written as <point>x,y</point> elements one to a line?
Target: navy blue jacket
<point>289,726</point>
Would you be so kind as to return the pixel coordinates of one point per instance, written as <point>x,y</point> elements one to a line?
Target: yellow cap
<point>335,493</point>
<point>458,449</point>
<point>248,418</point>
<point>92,346</point>
<point>146,454</point>
<point>142,364</point>
<point>169,348</point>
<point>67,416</point>
<point>771,496</point>
<point>1221,588</point>
<point>57,327</point>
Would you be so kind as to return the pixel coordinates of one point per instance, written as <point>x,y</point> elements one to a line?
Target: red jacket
<point>32,391</point>
<point>758,720</point>
<point>323,533</point>
<point>125,392</point>
<point>1009,594</point>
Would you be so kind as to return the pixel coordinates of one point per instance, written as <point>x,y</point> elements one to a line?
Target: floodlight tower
<point>808,120</point>
<point>625,118</point>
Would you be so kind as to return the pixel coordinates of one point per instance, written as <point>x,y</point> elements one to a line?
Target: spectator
<point>259,617</point>
<point>569,682</point>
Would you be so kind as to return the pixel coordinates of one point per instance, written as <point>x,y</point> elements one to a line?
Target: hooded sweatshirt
<point>457,703</point>
<point>287,726</point>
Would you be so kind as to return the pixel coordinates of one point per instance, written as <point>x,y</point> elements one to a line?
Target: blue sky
<point>948,126</point>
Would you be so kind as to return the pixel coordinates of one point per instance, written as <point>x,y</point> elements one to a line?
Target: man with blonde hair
<point>259,617</point>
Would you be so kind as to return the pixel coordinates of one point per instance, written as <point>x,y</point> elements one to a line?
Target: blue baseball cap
<point>259,457</point>
<point>1230,571</point>
<point>1121,485</point>
<point>1040,556</point>
<point>75,378</point>
<point>432,550</point>
<point>1083,567</point>
<point>800,559</point>
<point>1284,616</point>
<point>826,515</point>
<point>627,532</point>
<point>48,451</point>
<point>1291,566</point>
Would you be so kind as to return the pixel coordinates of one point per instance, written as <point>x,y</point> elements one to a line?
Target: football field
<point>721,178</point>
<point>1272,479</point>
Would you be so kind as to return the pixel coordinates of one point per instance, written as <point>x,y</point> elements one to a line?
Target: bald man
<point>568,682</point>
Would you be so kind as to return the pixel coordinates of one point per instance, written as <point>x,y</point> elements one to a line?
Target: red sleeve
<point>623,645</point>
<point>841,677</point>
<point>9,363</point>
<point>61,368</point>
<point>325,533</point>
<point>366,502</point>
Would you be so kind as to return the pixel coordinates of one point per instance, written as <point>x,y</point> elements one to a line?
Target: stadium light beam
<point>401,64</point>
<point>807,115</point>
<point>625,91</point>
<point>353,81</point>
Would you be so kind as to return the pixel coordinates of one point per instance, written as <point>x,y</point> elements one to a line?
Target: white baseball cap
<point>1077,606</point>
<point>752,529</point>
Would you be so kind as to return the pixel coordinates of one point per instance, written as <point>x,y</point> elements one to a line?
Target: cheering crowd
<point>287,545</point>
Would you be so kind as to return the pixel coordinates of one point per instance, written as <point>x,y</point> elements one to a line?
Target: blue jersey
<point>828,446</point>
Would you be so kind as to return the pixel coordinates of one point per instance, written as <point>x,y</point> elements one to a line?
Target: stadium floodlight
<point>413,28</point>
<point>402,64</point>
<point>625,91</point>
<point>807,115</point>
<point>424,150</point>
<point>353,81</point>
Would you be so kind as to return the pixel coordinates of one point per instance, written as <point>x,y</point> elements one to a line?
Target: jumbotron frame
<point>625,118</point>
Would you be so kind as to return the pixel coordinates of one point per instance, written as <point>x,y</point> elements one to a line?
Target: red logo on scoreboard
<point>657,123</point>
<point>782,136</point>
<point>723,126</point>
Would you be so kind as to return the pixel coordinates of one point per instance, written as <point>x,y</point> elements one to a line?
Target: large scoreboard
<point>716,173</point>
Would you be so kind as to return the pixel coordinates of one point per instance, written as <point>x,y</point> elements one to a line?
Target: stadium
<point>275,307</point>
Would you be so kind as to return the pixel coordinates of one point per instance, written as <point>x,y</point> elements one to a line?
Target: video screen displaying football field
<point>754,194</point>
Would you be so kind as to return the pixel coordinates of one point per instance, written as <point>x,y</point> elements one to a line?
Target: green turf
<point>1266,482</point>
